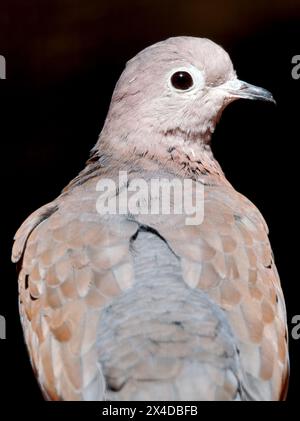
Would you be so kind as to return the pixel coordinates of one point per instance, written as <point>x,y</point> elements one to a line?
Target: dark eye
<point>182,80</point>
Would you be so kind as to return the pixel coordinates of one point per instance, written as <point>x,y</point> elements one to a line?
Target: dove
<point>144,306</point>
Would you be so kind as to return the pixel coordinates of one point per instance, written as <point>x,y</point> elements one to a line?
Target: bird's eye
<point>182,80</point>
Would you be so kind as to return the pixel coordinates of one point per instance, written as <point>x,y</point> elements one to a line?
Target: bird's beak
<point>238,89</point>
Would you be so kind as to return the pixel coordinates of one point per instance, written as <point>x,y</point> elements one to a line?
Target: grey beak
<point>239,89</point>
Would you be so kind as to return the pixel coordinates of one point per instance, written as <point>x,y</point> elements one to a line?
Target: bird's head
<point>174,92</point>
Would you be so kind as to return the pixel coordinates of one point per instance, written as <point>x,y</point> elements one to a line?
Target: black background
<point>63,60</point>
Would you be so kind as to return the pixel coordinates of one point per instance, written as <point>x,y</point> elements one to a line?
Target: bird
<point>143,305</point>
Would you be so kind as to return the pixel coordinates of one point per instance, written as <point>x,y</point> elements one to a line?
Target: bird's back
<point>147,307</point>
<point>162,340</point>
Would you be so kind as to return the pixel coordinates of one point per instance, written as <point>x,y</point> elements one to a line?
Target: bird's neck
<point>182,154</point>
<point>183,160</point>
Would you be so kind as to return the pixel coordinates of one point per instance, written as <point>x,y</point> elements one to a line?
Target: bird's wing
<point>72,263</point>
<point>229,257</point>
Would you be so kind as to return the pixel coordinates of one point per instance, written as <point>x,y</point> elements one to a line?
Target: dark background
<point>63,60</point>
